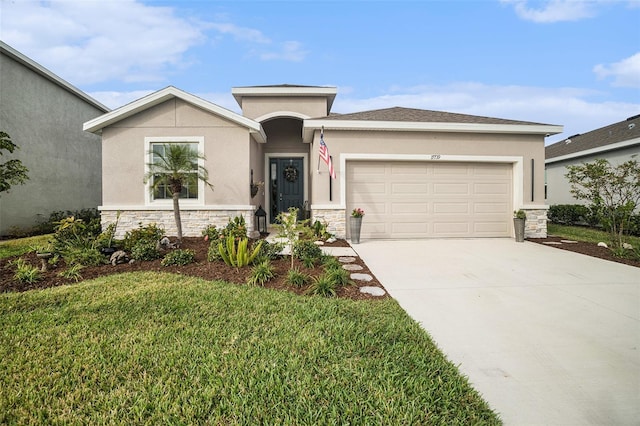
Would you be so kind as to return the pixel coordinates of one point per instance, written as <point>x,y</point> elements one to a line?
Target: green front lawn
<point>166,349</point>
<point>20,246</point>
<point>581,233</point>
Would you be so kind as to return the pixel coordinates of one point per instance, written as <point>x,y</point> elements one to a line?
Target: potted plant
<point>255,187</point>
<point>519,218</point>
<point>355,225</point>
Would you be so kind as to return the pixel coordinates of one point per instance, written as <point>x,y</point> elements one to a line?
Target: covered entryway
<point>423,199</point>
<point>286,185</point>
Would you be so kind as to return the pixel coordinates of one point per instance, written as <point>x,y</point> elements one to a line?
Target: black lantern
<point>261,221</point>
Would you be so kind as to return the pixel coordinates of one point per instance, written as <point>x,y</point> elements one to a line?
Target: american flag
<point>324,154</point>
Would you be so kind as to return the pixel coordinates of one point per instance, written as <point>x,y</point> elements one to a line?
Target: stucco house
<point>43,114</point>
<point>416,173</point>
<point>616,143</point>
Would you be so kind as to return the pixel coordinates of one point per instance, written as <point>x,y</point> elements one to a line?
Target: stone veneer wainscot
<point>193,221</point>
<point>335,220</point>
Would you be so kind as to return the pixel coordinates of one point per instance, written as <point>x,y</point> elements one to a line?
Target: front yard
<point>157,348</point>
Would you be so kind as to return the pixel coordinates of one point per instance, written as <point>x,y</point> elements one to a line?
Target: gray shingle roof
<point>421,115</point>
<point>613,133</point>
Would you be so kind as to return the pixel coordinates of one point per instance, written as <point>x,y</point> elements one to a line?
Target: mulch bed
<point>201,268</point>
<point>590,249</point>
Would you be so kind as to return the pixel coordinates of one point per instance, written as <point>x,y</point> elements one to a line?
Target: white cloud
<point>625,73</point>
<point>88,41</point>
<point>569,107</point>
<point>241,33</point>
<point>289,51</point>
<point>554,10</point>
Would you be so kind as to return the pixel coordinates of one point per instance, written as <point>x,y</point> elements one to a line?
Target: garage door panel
<point>409,188</point>
<point>431,199</point>
<point>370,188</point>
<point>490,188</point>
<point>479,208</point>
<point>449,169</point>
<point>450,208</point>
<point>451,188</point>
<point>489,170</point>
<point>448,229</point>
<point>409,208</point>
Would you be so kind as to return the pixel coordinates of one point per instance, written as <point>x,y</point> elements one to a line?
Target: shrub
<point>213,253</point>
<point>569,214</point>
<point>72,272</point>
<point>634,225</point>
<point>83,256</point>
<point>211,233</point>
<point>91,215</point>
<point>148,234</point>
<point>261,273</point>
<point>269,250</point>
<point>74,233</point>
<point>26,273</point>
<point>306,249</point>
<point>322,286</point>
<point>297,278</point>
<point>237,228</point>
<point>179,257</point>
<point>145,251</point>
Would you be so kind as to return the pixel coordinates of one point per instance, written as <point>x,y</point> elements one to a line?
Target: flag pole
<point>321,135</point>
<point>330,183</point>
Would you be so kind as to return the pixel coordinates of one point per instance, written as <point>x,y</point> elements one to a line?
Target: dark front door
<point>286,176</point>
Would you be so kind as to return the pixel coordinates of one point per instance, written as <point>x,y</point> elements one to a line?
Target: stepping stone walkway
<point>347,259</point>
<point>374,291</point>
<point>349,267</point>
<point>361,277</point>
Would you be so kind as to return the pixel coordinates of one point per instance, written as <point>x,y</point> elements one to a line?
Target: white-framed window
<point>193,191</point>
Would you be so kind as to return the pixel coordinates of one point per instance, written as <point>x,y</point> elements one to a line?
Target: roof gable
<point>605,138</point>
<point>170,92</point>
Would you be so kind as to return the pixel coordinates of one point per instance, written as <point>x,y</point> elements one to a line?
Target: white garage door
<point>431,199</point>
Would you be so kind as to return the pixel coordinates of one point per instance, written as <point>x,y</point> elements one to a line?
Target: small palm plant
<point>175,167</point>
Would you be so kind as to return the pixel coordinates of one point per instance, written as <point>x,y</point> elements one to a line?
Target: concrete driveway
<point>547,336</point>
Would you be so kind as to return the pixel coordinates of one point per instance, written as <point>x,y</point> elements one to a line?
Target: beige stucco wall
<point>312,107</point>
<point>226,147</point>
<point>424,143</point>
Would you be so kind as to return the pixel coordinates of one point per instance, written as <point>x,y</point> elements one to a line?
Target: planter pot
<point>518,226</point>
<point>355,225</point>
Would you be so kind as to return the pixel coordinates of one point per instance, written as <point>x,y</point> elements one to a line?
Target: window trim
<point>148,158</point>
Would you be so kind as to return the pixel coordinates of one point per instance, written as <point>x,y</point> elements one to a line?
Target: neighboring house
<point>416,173</point>
<point>616,143</point>
<point>43,115</point>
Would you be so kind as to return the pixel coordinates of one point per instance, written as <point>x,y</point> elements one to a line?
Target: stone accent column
<point>536,223</point>
<point>334,218</point>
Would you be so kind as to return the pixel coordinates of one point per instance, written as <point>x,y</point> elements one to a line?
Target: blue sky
<point>574,63</point>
